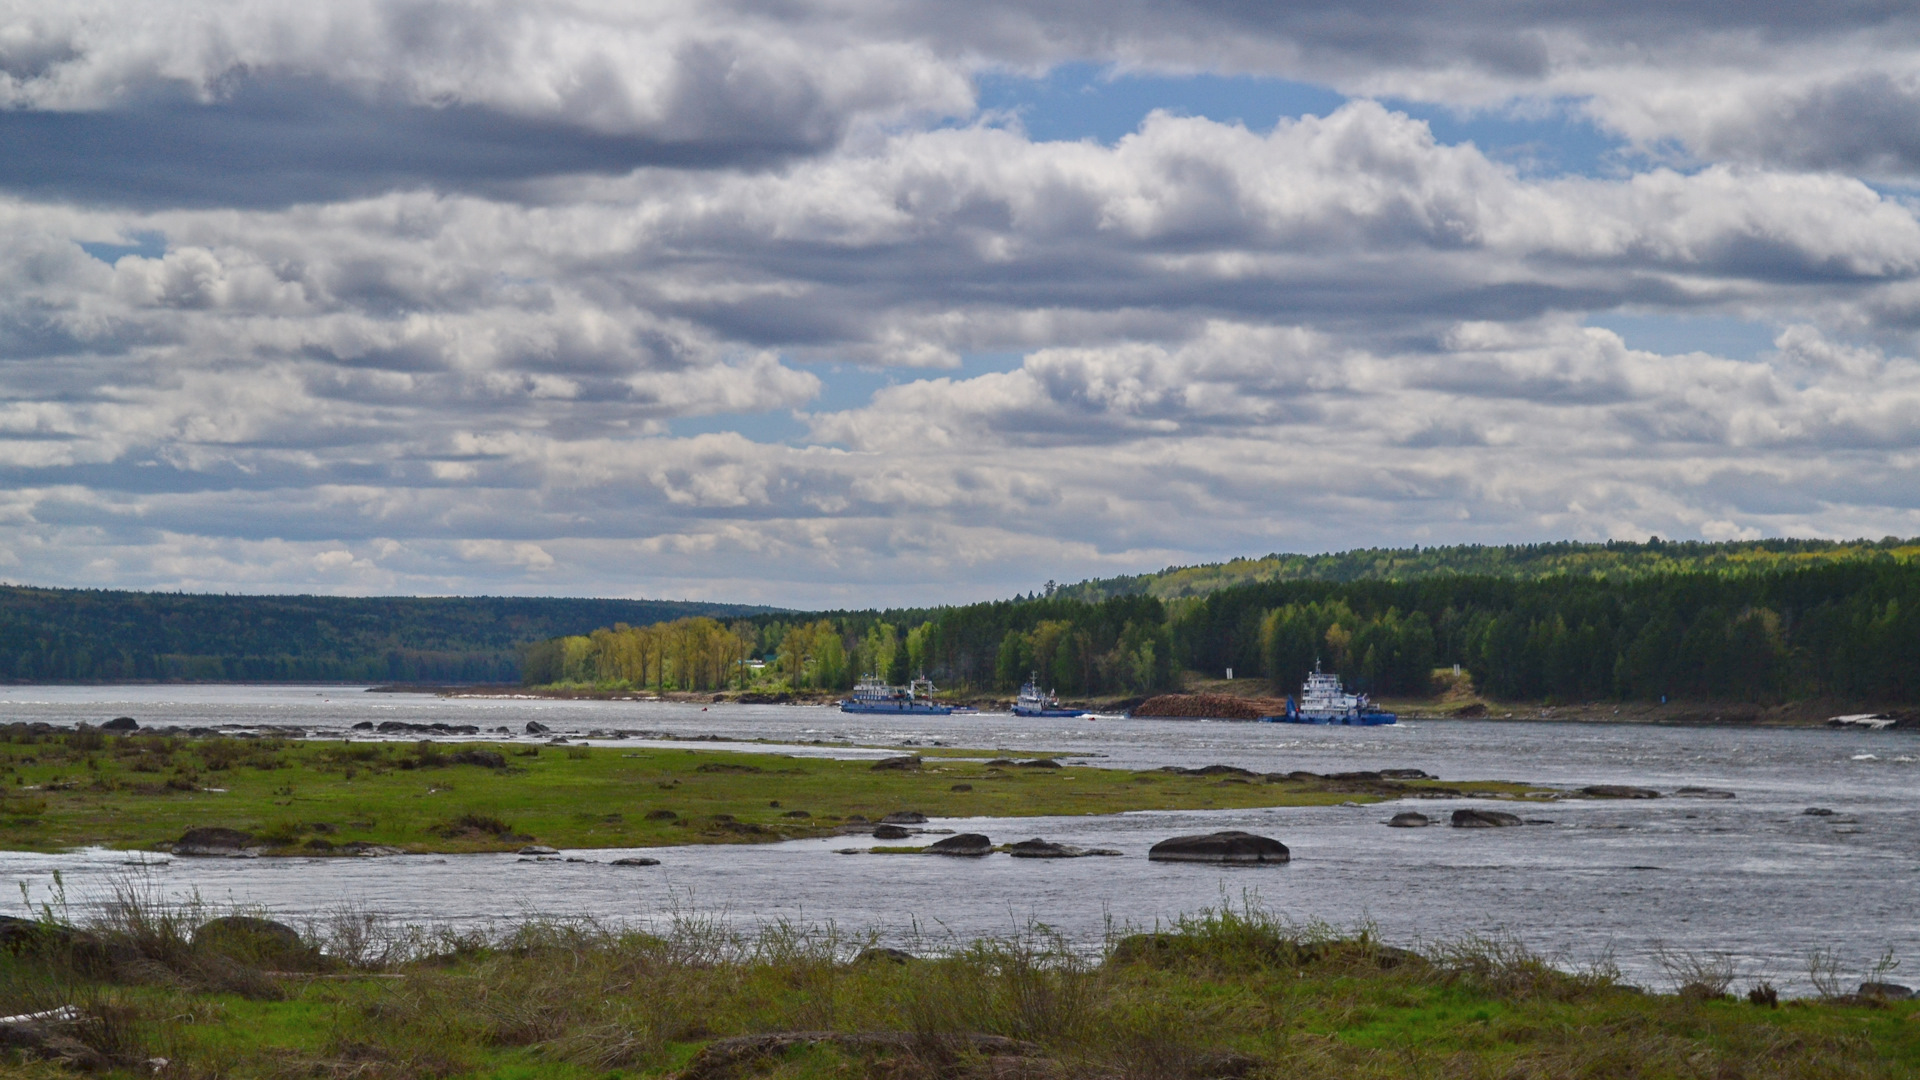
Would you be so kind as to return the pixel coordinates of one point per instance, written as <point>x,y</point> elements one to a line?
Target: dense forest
<point>1754,630</point>
<point>68,635</point>
<point>1613,559</point>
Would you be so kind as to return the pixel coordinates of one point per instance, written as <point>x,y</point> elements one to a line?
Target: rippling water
<point>1753,877</point>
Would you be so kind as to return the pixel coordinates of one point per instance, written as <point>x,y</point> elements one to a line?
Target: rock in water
<point>213,842</point>
<point>535,727</point>
<point>1232,846</point>
<point>537,849</point>
<point>121,723</point>
<point>1703,793</point>
<point>1886,991</point>
<point>966,843</point>
<point>890,832</point>
<point>1037,848</point>
<point>905,817</point>
<point>635,860</point>
<point>1483,819</point>
<point>1410,820</point>
<point>1618,791</point>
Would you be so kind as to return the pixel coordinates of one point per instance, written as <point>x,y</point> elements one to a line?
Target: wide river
<point>1754,878</point>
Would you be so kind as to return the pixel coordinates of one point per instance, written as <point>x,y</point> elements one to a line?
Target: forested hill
<point>62,635</point>
<point>1614,559</point>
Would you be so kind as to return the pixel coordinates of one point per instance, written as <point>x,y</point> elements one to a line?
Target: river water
<point>1754,878</point>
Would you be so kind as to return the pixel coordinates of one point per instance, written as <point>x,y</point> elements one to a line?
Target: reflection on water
<point>1753,877</point>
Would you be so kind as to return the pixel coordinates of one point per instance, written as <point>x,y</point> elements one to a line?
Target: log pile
<point>1209,707</point>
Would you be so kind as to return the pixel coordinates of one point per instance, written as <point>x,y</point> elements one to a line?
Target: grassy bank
<point>1223,994</point>
<point>68,789</point>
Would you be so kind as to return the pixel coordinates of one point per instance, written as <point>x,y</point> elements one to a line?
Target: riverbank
<point>68,789</point>
<point>1220,994</point>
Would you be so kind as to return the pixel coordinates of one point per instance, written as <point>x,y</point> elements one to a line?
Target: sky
<point>872,302</point>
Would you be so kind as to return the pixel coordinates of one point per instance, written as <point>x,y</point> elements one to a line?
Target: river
<point>1754,878</point>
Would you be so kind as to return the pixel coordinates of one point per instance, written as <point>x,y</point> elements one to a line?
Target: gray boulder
<point>635,860</point>
<point>905,817</point>
<point>890,832</point>
<point>1618,791</point>
<point>1886,991</point>
<point>967,843</point>
<point>1232,846</point>
<point>1483,819</point>
<point>1410,820</point>
<point>535,727</point>
<point>537,849</point>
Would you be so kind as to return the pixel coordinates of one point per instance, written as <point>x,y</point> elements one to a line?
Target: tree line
<point>101,635</point>
<point>1848,630</point>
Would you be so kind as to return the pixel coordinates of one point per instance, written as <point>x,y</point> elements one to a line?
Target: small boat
<point>1324,701</point>
<point>871,695</point>
<point>1034,701</point>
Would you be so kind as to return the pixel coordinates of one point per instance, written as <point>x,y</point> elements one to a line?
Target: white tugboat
<point>1324,701</point>
<point>1034,701</point>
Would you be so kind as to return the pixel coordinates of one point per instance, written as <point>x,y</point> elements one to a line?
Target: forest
<point>1828,628</point>
<point>97,635</point>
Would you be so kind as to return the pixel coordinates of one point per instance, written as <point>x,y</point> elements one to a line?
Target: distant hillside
<point>1524,562</point>
<point>69,635</point>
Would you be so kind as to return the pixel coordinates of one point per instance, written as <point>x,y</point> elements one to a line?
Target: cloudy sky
<point>856,302</point>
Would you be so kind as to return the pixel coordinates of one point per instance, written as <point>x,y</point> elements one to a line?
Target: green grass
<point>1223,993</point>
<point>69,790</point>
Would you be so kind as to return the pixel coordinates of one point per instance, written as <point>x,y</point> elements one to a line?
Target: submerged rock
<point>635,860</point>
<point>1231,846</point>
<point>1817,811</point>
<point>213,842</point>
<point>1410,820</point>
<point>1618,791</point>
<point>1483,819</point>
<point>1702,793</point>
<point>968,844</point>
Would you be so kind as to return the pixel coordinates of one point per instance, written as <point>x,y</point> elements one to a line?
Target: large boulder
<point>1410,820</point>
<point>253,940</point>
<point>1484,819</point>
<point>891,832</point>
<point>1232,846</point>
<point>966,843</point>
<point>214,842</point>
<point>121,723</point>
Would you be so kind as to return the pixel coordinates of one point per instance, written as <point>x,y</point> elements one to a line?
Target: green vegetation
<point>64,790</point>
<point>64,635</point>
<point>1524,562</point>
<point>1239,994</point>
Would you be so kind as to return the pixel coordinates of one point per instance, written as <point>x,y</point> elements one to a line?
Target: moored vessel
<point>870,695</point>
<point>1324,701</point>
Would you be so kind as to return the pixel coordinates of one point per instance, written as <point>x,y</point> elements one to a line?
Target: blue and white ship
<point>1324,701</point>
<point>1034,701</point>
<point>871,695</point>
